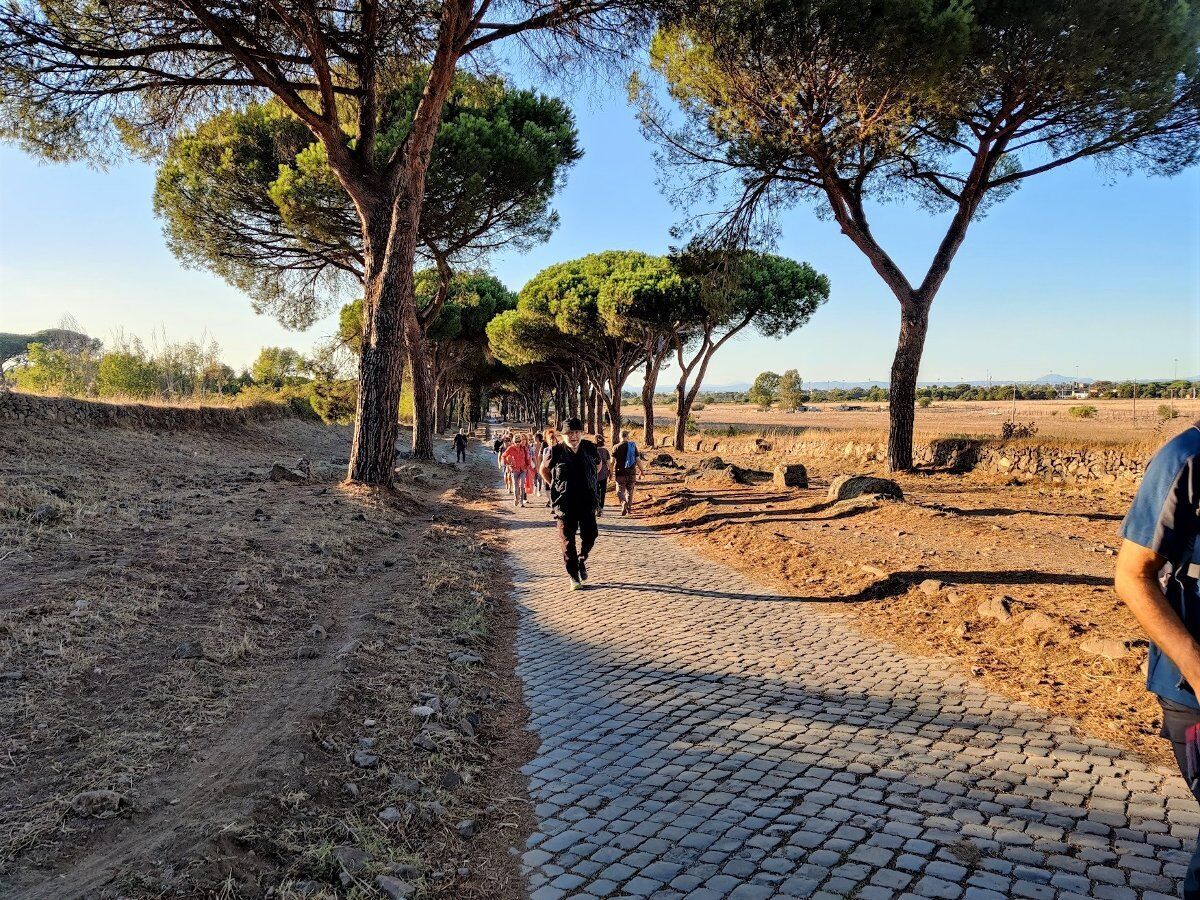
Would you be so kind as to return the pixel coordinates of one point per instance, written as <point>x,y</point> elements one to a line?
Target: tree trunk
<point>474,404</point>
<point>902,400</point>
<point>652,367</point>
<point>680,412</point>
<point>439,412</point>
<point>380,375</point>
<point>614,407</point>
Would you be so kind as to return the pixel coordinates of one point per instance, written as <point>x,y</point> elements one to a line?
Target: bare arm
<point>544,469</point>
<point>1138,586</point>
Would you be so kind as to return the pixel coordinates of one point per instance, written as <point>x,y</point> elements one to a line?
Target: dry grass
<point>214,646</point>
<point>1113,425</point>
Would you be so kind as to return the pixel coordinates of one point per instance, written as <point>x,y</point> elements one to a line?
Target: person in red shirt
<point>516,458</point>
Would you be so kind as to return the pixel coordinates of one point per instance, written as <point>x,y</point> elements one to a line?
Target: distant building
<point>1076,391</point>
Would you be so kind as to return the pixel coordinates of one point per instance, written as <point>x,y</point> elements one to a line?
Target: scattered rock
<point>189,650</point>
<point>466,828</point>
<point>1038,621</point>
<point>350,788</point>
<point>394,888</point>
<point>711,462</point>
<point>664,461</point>
<point>998,608</point>
<point>317,632</point>
<point>424,742</point>
<point>930,587</point>
<point>14,675</point>
<point>97,804</point>
<point>873,571</point>
<point>391,815</point>
<point>280,472</point>
<point>467,659</point>
<point>432,811</point>
<point>422,712</point>
<point>451,781</point>
<point>364,759</point>
<point>1109,648</point>
<point>351,859</point>
<point>847,487</point>
<point>790,475</point>
<point>44,514</point>
<point>409,787</point>
<point>762,445</point>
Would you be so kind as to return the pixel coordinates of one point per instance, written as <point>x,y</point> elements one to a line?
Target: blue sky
<point>1077,270</point>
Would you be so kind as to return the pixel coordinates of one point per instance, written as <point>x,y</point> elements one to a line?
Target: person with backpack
<point>460,446</point>
<point>627,465</point>
<point>571,469</point>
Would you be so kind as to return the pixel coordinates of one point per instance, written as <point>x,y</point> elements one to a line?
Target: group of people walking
<point>572,472</point>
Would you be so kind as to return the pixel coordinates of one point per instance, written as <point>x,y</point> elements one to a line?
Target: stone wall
<point>1020,459</point>
<point>31,409</point>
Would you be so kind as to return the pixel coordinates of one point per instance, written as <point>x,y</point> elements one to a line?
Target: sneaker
<point>576,584</point>
<point>582,570</point>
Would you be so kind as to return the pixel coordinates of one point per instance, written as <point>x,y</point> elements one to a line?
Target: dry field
<point>923,574</point>
<point>217,685</point>
<point>1114,421</point>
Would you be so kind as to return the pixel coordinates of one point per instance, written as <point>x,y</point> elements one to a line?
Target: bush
<point>697,406</point>
<point>296,396</point>
<point>335,401</point>
<point>1166,412</point>
<point>1082,412</point>
<point>1013,430</point>
<point>925,402</point>
<point>125,374</point>
<point>691,426</point>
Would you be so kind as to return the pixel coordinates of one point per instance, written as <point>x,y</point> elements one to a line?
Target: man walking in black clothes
<point>571,469</point>
<point>460,446</point>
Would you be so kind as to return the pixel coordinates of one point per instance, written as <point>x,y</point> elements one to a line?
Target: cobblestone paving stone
<point>704,737</point>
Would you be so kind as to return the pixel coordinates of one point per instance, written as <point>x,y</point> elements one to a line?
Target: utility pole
<point>1135,393</point>
<point>1013,418</point>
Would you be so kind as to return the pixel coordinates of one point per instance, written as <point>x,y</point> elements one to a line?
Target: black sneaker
<point>582,570</point>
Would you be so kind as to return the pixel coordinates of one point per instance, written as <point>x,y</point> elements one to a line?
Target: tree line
<point>65,361</point>
<point>316,153</point>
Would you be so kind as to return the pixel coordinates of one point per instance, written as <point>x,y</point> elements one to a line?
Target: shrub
<point>925,402</point>
<point>1082,412</point>
<point>125,374</point>
<point>1013,430</point>
<point>1166,412</point>
<point>298,397</point>
<point>697,406</point>
<point>691,426</point>
<point>334,401</point>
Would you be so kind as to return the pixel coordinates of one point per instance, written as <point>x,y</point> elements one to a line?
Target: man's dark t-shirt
<point>624,464</point>
<point>573,485</point>
<point>460,442</point>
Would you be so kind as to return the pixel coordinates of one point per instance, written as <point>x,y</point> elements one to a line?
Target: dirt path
<point>238,661</point>
<point>704,736</point>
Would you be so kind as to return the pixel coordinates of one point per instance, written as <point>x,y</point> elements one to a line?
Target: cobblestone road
<point>703,737</point>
